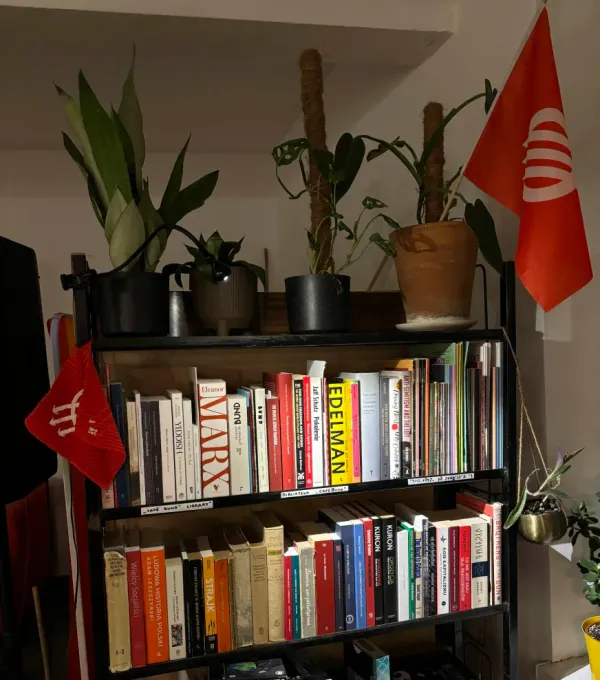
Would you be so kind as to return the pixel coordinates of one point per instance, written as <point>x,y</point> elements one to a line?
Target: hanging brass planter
<point>545,528</point>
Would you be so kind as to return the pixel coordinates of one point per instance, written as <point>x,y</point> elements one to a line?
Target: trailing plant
<point>110,150</point>
<point>214,259</point>
<point>337,172</point>
<point>475,214</point>
<point>583,522</point>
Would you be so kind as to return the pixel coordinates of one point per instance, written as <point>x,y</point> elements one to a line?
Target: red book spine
<point>454,567</point>
<point>280,385</point>
<point>369,570</point>
<point>465,568</point>
<point>274,444</point>
<point>308,456</point>
<point>324,587</point>
<point>136,607</point>
<point>287,598</point>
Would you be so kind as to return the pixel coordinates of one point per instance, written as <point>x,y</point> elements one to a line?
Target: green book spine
<point>411,568</point>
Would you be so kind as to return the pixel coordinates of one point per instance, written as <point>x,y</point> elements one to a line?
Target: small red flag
<point>74,419</point>
<point>523,160</point>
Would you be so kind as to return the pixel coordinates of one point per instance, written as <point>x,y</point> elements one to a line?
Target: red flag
<point>523,160</point>
<point>74,419</point>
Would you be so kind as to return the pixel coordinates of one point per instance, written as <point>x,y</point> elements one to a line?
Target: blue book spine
<point>296,597</point>
<point>118,410</point>
<point>338,582</point>
<point>346,533</point>
<point>360,583</point>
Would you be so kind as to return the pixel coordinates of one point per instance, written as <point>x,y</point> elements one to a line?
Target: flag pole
<point>459,179</point>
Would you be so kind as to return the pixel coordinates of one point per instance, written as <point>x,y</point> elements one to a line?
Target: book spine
<point>155,613</point>
<point>253,463</point>
<point>369,571</point>
<point>197,607</point>
<point>274,541</point>
<point>454,567</point>
<point>385,429</point>
<point>356,440</point>
<point>389,584</point>
<point>176,609</point>
<point>299,433</point>
<point>496,558</point>
<point>325,434</point>
<point>136,607</point>
<point>432,553</point>
<point>443,568</point>
<point>260,601</point>
<point>210,607</point>
<point>118,410</point>
<point>288,598</point>
<point>188,447</point>
<point>479,565</point>
<point>188,594</point>
<point>369,432</point>
<point>403,585</point>
<point>307,416</point>
<point>412,597</point>
<point>222,600</point>
<point>350,571</point>
<point>395,428</point>
<point>239,450</point>
<point>338,433</point>
<point>117,614</point>
<point>425,565</point>
<point>378,570</point>
<point>360,582</point>
<point>274,445</point>
<point>338,582</point>
<point>167,453</point>
<point>214,442</point>
<point>140,443</point>
<point>232,609</point>
<point>324,588</point>
<point>108,498</point>
<point>418,569</point>
<point>307,593</point>
<point>317,431</point>
<point>465,567</point>
<point>280,385</point>
<point>133,450</point>
<point>157,490</point>
<point>407,453</point>
<point>197,461</point>
<point>296,612</point>
<point>260,427</point>
<point>179,446</point>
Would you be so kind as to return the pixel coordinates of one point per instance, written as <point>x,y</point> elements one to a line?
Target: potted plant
<point>319,301</point>
<point>109,149</point>
<point>223,289</point>
<point>436,258</point>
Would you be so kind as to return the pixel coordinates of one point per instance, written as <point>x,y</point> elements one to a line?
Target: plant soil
<point>542,506</point>
<point>594,631</point>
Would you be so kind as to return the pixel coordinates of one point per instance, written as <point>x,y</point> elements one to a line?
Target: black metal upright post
<point>10,649</point>
<point>509,483</point>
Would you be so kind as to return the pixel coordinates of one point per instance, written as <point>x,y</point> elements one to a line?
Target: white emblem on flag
<point>71,417</point>
<point>536,158</point>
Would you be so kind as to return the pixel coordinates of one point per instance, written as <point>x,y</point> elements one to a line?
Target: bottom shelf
<point>278,648</point>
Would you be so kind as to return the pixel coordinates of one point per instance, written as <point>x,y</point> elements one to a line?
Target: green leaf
<point>152,221</point>
<point>115,210</point>
<point>418,177</point>
<point>75,153</point>
<point>128,236</point>
<point>390,222</point>
<point>516,511</point>
<point>482,224</point>
<point>130,115</point>
<point>559,494</point>
<point>350,169</point>
<point>342,226</point>
<point>290,151</point>
<point>173,185</point>
<point>312,241</point>
<point>490,95</point>
<point>570,456</point>
<point>370,203</point>
<point>105,142</point>
<point>194,196</point>
<point>383,243</point>
<point>73,113</point>
<point>324,159</point>
<point>135,173</point>
<point>95,201</point>
<point>343,149</point>
<point>259,272</point>
<point>214,243</point>
<point>589,565</point>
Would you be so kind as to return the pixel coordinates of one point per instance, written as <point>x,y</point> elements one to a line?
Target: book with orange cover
<point>154,580</point>
<point>222,556</point>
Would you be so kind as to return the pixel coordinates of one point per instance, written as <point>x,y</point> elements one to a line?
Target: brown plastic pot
<point>435,266</point>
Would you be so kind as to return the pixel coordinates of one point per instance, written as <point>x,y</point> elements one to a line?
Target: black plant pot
<point>132,303</point>
<point>318,303</point>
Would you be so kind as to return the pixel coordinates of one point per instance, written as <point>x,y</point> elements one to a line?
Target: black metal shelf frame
<point>448,627</point>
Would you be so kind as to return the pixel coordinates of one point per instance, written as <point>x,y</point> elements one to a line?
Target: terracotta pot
<point>435,265</point>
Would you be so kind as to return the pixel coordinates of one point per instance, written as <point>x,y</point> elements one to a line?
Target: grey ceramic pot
<point>227,305</point>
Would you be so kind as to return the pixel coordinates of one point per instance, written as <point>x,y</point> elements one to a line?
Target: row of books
<point>437,415</point>
<point>358,566</point>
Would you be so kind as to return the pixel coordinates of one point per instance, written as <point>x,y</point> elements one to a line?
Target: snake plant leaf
<point>73,113</point>
<point>105,142</point>
<point>193,196</point>
<point>77,156</point>
<point>152,221</point>
<point>134,172</point>
<point>259,272</point>
<point>352,165</point>
<point>128,235</point>
<point>173,185</point>
<point>214,243</point>
<point>130,114</point>
<point>95,201</point>
<point>115,210</point>
<point>228,250</point>
<point>517,510</point>
<point>75,153</point>
<point>481,222</point>
<point>289,152</point>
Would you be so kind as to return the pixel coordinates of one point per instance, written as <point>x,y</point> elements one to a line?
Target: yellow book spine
<point>349,409</point>
<point>210,603</point>
<point>337,394</point>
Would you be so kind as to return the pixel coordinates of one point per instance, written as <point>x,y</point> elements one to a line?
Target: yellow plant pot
<point>593,647</point>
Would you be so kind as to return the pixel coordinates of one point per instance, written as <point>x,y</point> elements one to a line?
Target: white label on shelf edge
<point>175,507</point>
<point>317,491</point>
<point>460,477</point>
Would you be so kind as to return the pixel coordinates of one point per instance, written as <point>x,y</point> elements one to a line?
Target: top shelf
<point>118,344</point>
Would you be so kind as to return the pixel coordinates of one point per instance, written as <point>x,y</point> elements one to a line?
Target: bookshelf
<point>248,356</point>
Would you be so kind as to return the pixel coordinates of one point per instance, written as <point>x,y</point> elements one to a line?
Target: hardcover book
<point>378,559</point>
<point>307,585</point>
<point>359,564</point>
<point>223,557</point>
<point>307,430</point>
<point>317,430</point>
<point>117,405</point>
<point>175,604</point>
<point>298,385</point>
<point>339,451</point>
<point>208,588</point>
<point>214,441</point>
<point>133,453</point>
<point>140,446</point>
<point>260,429</point>
<point>260,594</point>
<point>367,523</point>
<point>196,580</point>
<point>136,598</point>
<point>280,385</point>
<point>274,444</point>
<point>115,575</point>
<point>241,610</point>
<point>155,604</point>
<point>178,444</point>
<point>239,449</point>
<point>189,450</point>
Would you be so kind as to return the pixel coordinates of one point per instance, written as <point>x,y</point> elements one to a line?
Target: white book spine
<point>178,444</point>
<point>133,450</point>
<point>108,497</point>
<point>317,430</point>
<point>167,455</point>
<point>308,626</point>
<point>325,421</point>
<point>394,431</point>
<point>418,559</point>
<point>480,582</point>
<point>239,449</point>
<point>138,416</point>
<point>197,461</point>
<point>497,552</point>
<point>260,430</point>
<point>443,575</point>
<point>175,608</point>
<point>188,446</point>
<point>214,442</point>
<point>402,575</point>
